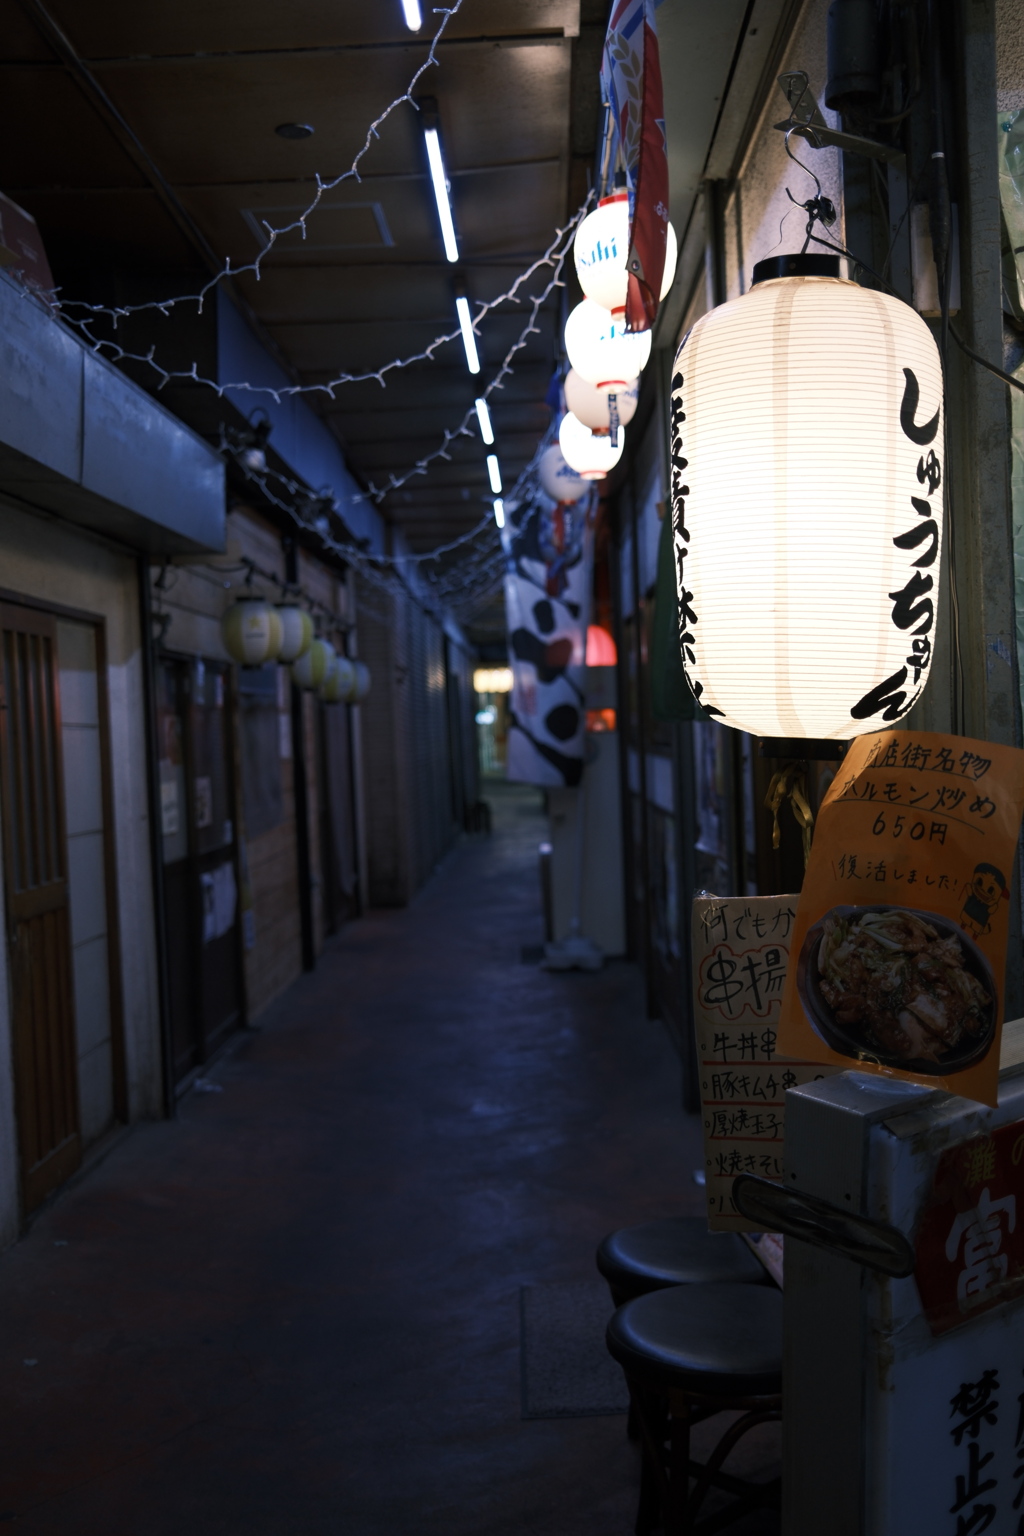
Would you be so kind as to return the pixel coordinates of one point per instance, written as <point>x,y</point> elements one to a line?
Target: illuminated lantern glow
<point>600,250</point>
<point>251,632</point>
<point>492,680</point>
<point>362,682</point>
<point>310,670</point>
<point>600,348</point>
<point>806,451</point>
<point>601,648</point>
<point>556,478</point>
<point>296,632</point>
<point>339,682</point>
<point>594,407</point>
<point>590,454</point>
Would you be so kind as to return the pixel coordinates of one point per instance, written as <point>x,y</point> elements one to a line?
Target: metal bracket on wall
<point>806,121</point>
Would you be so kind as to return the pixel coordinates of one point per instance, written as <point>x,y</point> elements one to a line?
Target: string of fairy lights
<point>457,575</point>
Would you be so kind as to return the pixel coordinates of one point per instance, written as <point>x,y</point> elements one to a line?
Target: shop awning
<point>79,439</point>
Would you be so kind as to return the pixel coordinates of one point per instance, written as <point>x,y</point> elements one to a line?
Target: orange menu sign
<point>740,957</point>
<point>899,942</point>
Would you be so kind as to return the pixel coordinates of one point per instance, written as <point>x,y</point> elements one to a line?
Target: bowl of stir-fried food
<point>903,988</point>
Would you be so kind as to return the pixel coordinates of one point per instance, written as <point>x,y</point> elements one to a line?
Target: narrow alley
<point>295,1308</point>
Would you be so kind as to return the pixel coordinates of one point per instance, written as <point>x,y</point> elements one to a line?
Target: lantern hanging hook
<point>818,207</point>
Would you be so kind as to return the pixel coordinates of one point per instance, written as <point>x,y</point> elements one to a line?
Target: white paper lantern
<point>594,406</point>
<point>339,683</point>
<point>590,454</point>
<point>296,632</point>
<point>310,671</point>
<point>556,478</point>
<point>600,348</point>
<point>600,250</point>
<point>251,632</point>
<point>807,503</point>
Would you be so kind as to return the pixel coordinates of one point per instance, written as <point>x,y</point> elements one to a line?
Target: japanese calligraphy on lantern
<point>899,943</point>
<point>740,956</point>
<point>970,1241</point>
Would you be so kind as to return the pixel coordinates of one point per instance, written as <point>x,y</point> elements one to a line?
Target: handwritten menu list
<point>740,955</point>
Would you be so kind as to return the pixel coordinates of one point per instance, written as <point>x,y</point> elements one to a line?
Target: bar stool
<point>676,1251</point>
<point>688,1353</point>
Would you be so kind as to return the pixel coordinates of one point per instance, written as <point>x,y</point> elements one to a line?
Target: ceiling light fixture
<point>483,416</point>
<point>438,176</point>
<point>413,15</point>
<point>494,471</point>
<point>499,512</point>
<point>294,131</point>
<point>468,334</point>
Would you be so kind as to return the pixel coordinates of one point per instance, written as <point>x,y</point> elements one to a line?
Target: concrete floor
<point>293,1311</point>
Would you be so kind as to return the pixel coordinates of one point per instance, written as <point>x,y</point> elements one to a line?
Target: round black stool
<point>676,1251</point>
<point>690,1352</point>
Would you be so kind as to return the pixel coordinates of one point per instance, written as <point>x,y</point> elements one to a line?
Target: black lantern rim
<point>803,264</point>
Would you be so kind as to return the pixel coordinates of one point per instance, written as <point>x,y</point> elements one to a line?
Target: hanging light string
<point>117,312</point>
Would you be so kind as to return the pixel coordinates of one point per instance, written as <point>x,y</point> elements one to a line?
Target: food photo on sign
<point>899,944</point>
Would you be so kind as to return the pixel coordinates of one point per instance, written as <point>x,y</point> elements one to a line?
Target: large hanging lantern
<point>590,454</point>
<point>600,250</point>
<point>600,348</point>
<point>807,503</point>
<point>340,680</point>
<point>296,632</point>
<point>251,632</point>
<point>362,682</point>
<point>557,479</point>
<point>310,671</point>
<point>595,407</point>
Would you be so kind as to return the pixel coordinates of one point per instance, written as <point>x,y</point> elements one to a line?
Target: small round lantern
<point>556,478</point>
<point>339,682</point>
<point>590,454</point>
<point>600,348</point>
<point>310,670</point>
<point>594,407</point>
<point>806,453</point>
<point>296,632</point>
<point>600,250</point>
<point>362,682</point>
<point>251,632</point>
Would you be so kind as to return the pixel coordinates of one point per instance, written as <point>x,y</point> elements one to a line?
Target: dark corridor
<point>295,1309</point>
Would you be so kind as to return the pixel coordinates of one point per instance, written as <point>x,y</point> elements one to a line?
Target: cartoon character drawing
<point>988,889</point>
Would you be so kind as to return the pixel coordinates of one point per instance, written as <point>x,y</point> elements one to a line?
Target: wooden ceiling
<point>201,85</point>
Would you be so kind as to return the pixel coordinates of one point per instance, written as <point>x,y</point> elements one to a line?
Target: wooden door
<point>38,910</point>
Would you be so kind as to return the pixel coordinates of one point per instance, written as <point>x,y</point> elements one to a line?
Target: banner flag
<point>631,85</point>
<point>549,556</point>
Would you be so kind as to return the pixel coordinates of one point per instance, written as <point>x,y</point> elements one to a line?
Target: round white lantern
<point>807,503</point>
<point>310,670</point>
<point>594,406</point>
<point>251,632</point>
<point>600,250</point>
<point>590,454</point>
<point>600,348</point>
<point>556,478</point>
<point>362,682</point>
<point>340,680</point>
<point>296,632</point>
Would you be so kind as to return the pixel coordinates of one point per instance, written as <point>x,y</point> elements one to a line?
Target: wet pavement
<point>295,1308</point>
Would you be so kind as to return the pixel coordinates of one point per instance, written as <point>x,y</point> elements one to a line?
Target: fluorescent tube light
<point>440,181</point>
<point>468,336</point>
<point>499,512</point>
<point>413,15</point>
<point>494,472</point>
<point>483,416</point>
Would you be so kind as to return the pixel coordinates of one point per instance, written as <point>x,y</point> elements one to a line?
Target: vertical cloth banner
<point>899,945</point>
<point>549,556</point>
<point>631,85</point>
<point>740,958</point>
